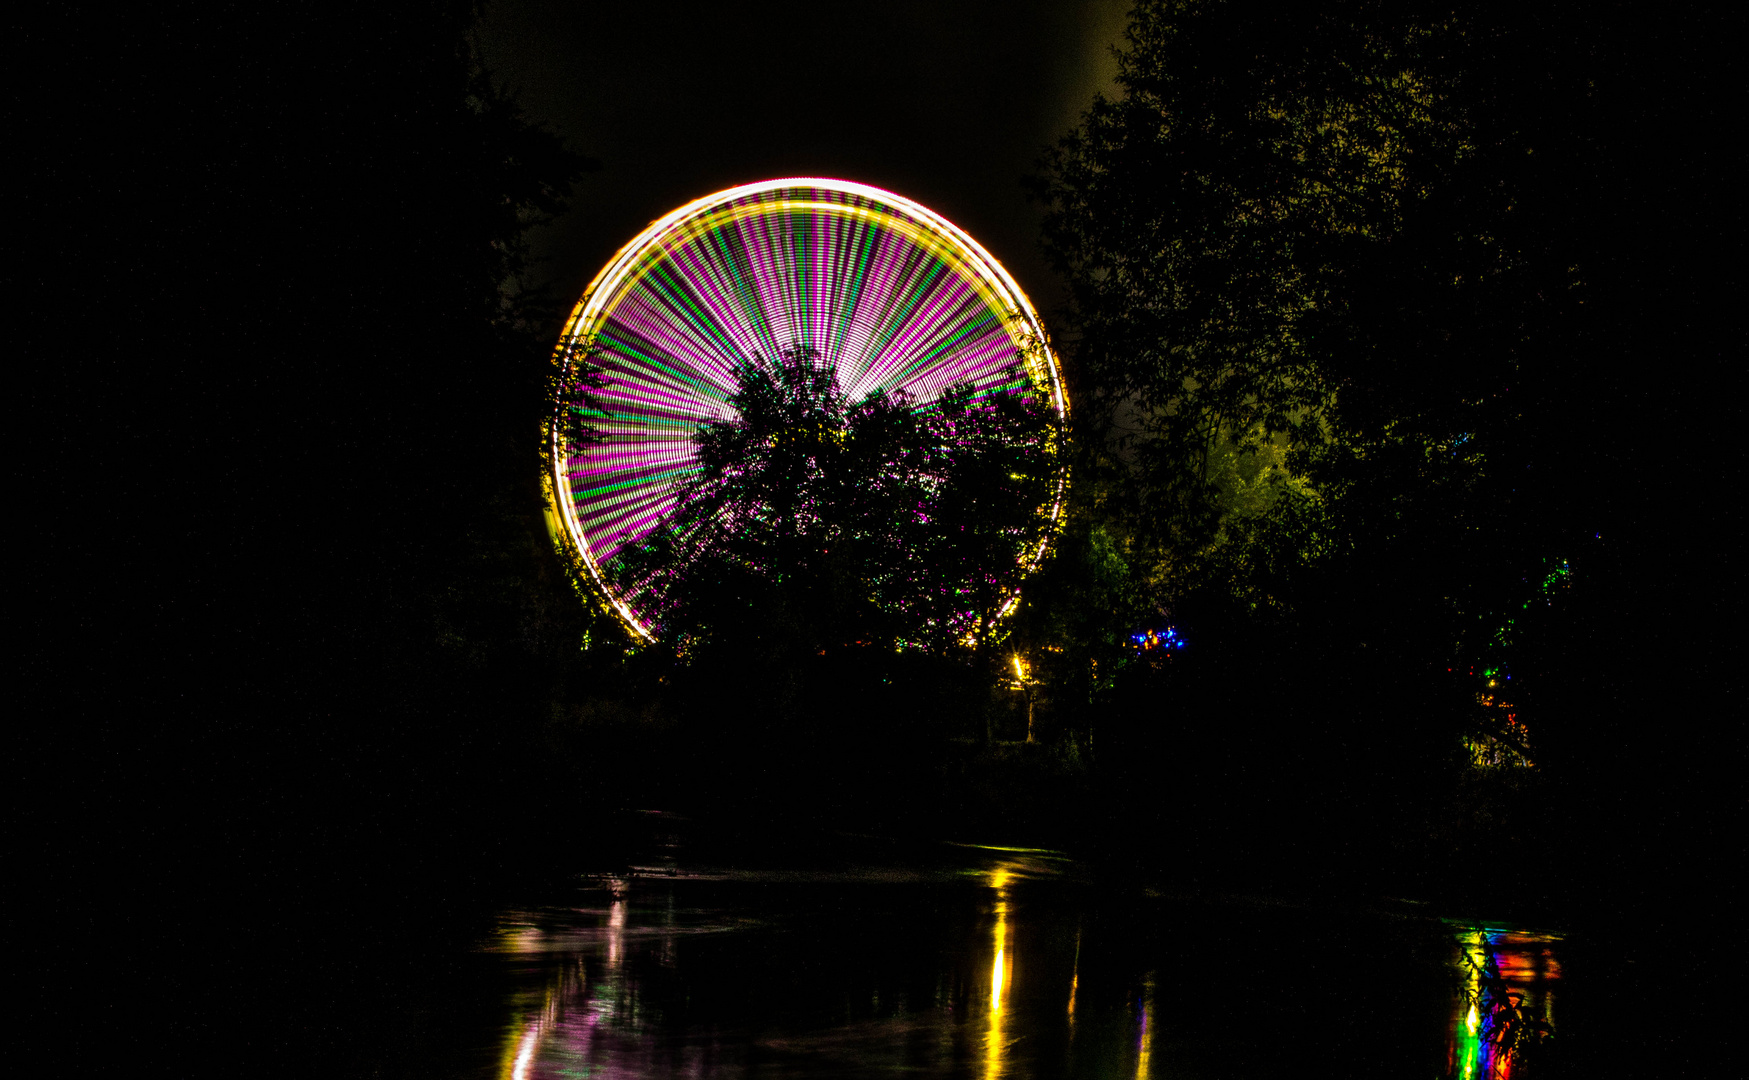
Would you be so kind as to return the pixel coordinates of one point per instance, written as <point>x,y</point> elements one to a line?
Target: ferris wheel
<point>892,296</point>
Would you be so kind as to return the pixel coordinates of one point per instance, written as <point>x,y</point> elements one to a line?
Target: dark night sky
<point>948,103</point>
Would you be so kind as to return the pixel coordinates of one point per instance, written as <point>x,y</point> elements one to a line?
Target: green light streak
<point>750,303</point>
<point>701,321</point>
<point>623,484</point>
<point>863,250</point>
<point>917,293</point>
<point>620,346</point>
<point>925,359</point>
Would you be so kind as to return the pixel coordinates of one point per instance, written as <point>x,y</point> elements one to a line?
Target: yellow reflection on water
<point>1145,1040</point>
<point>1001,975</point>
<point>516,1068</point>
<point>1507,1001</point>
<point>1074,985</point>
<point>996,974</point>
<point>616,933</point>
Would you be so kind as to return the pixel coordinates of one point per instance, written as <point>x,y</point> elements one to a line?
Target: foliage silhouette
<point>1341,364</point>
<point>815,522</point>
<point>1299,238</point>
<point>1328,278</point>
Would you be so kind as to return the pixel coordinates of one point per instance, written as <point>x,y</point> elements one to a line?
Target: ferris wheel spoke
<point>887,295</point>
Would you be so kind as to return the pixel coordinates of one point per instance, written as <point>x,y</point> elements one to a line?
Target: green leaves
<point>1214,218</point>
<point>1295,236</point>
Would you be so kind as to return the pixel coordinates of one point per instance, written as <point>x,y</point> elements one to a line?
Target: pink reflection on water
<point>604,1015</point>
<point>622,985</point>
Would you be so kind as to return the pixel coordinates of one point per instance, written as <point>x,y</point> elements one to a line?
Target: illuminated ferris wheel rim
<point>607,285</point>
<point>898,214</point>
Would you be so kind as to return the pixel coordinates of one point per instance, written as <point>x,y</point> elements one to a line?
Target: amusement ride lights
<point>892,295</point>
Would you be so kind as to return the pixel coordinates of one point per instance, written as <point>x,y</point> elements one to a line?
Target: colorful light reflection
<point>891,294</point>
<point>621,994</point>
<point>1507,1003</point>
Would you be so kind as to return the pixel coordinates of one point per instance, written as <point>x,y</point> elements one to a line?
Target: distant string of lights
<point>1164,639</point>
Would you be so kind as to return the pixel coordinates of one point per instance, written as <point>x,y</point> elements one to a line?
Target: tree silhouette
<point>1325,286</point>
<point>814,522</point>
<point>1332,304</point>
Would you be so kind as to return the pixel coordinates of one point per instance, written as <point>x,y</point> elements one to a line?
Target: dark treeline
<point>1382,314</point>
<point>299,654</point>
<point>284,513</point>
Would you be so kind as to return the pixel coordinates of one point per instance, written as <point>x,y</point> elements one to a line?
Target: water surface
<point>991,963</point>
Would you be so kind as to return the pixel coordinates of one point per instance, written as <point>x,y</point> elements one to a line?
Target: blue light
<point>1163,638</point>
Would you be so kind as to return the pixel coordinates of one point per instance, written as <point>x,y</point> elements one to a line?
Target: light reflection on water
<point>1506,1008</point>
<point>1001,970</point>
<point>982,972</point>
